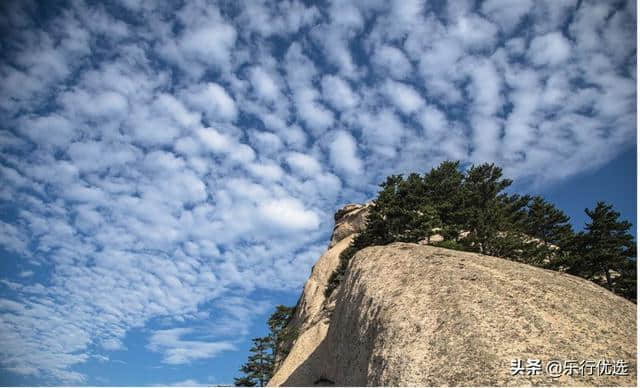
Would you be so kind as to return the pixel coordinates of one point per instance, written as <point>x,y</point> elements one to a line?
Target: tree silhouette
<point>281,333</point>
<point>443,187</point>
<point>606,251</point>
<point>482,187</point>
<point>548,223</point>
<point>259,366</point>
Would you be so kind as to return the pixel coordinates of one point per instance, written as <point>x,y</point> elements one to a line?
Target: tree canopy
<point>605,252</point>
<point>472,211</point>
<point>259,366</point>
<point>266,350</point>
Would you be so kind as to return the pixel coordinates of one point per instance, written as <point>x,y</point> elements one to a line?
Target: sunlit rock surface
<point>409,314</point>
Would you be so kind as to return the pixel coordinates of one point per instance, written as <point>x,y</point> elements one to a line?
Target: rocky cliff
<point>410,314</point>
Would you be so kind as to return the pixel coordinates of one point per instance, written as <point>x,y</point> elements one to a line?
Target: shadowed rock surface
<point>408,314</point>
<point>310,320</point>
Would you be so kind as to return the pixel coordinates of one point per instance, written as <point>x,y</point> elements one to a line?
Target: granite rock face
<point>349,220</point>
<point>310,320</point>
<point>409,314</point>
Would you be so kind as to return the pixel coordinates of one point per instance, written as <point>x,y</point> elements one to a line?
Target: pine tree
<point>411,192</point>
<point>443,190</point>
<point>280,332</point>
<point>259,366</point>
<point>626,285</point>
<point>243,382</point>
<point>422,223</point>
<point>514,211</point>
<point>387,219</point>
<point>606,251</point>
<point>510,240</point>
<point>548,223</point>
<point>482,187</point>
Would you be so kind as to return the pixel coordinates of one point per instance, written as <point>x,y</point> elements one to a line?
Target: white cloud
<point>83,155</point>
<point>392,61</point>
<point>264,84</point>
<point>12,240</point>
<point>213,100</point>
<point>344,155</point>
<point>280,19</point>
<point>161,122</point>
<point>506,13</point>
<point>304,165</point>
<point>180,351</point>
<point>268,171</point>
<point>434,122</point>
<point>440,69</point>
<point>210,44</point>
<point>81,193</point>
<point>315,115</point>
<point>474,31</point>
<point>266,142</point>
<point>52,130</point>
<point>345,21</point>
<point>486,85</point>
<point>515,46</point>
<point>588,23</point>
<point>403,96</point>
<point>104,105</point>
<point>552,15</point>
<point>187,146</point>
<point>288,214</point>
<point>520,124</point>
<point>214,140</point>
<point>338,93</point>
<point>383,133</point>
<point>407,11</point>
<point>300,73</point>
<point>549,49</point>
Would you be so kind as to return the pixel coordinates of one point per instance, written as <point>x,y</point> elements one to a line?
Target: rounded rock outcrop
<point>408,314</point>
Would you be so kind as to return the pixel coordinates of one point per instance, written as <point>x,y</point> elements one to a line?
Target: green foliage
<point>259,366</point>
<point>605,252</point>
<point>258,369</point>
<point>548,223</point>
<point>283,335</point>
<point>483,206</point>
<point>521,228</point>
<point>626,284</point>
<point>450,244</point>
<point>400,213</point>
<point>443,186</point>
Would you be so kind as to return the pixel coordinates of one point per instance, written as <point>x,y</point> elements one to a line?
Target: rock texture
<point>408,314</point>
<point>349,220</point>
<point>311,319</point>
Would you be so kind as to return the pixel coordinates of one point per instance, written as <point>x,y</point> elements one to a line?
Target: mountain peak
<point>409,314</point>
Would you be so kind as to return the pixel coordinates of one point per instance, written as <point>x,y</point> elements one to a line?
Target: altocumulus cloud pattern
<point>162,161</point>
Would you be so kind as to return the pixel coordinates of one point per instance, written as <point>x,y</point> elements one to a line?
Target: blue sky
<point>170,170</point>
